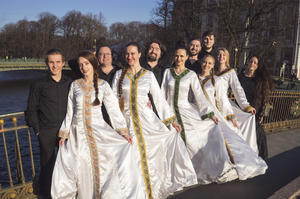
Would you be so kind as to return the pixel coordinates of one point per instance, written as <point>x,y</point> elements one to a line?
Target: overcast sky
<point>113,11</point>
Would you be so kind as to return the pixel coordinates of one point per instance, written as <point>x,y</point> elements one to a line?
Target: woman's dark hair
<point>133,43</point>
<point>263,81</point>
<point>94,61</point>
<point>124,71</point>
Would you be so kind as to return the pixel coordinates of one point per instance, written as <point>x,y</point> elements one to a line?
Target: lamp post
<point>95,45</point>
<point>235,54</point>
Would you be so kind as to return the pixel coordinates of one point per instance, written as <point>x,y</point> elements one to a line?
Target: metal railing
<point>17,148</point>
<point>283,111</point>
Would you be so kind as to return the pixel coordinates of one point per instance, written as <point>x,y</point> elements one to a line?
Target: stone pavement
<point>281,180</point>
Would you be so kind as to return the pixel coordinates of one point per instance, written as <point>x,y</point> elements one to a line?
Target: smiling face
<point>132,55</point>
<point>221,57</point>
<point>209,41</point>
<point>55,63</point>
<point>86,68</point>
<point>104,56</point>
<point>180,57</point>
<point>207,64</point>
<point>253,64</point>
<point>194,47</point>
<point>154,52</point>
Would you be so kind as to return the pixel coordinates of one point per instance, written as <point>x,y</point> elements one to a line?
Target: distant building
<point>278,37</point>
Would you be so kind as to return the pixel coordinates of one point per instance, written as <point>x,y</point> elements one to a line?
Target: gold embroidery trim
<point>64,134</point>
<point>248,108</point>
<point>139,133</point>
<point>230,117</point>
<point>169,120</point>
<point>87,118</point>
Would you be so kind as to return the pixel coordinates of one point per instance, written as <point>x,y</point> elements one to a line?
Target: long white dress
<point>204,139</point>
<point>247,162</point>
<point>95,161</point>
<point>229,109</point>
<point>162,158</point>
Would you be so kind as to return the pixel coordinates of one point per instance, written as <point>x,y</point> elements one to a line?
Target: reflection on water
<point>14,89</point>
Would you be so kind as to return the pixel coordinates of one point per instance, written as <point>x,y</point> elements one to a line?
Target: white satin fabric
<point>248,163</point>
<point>95,161</point>
<point>204,139</point>
<point>159,152</point>
<point>246,121</point>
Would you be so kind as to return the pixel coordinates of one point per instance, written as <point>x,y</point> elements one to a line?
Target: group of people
<point>143,130</point>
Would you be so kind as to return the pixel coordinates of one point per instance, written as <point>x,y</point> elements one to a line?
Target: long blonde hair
<point>226,54</point>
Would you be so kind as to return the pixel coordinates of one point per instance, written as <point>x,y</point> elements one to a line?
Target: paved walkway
<point>281,180</point>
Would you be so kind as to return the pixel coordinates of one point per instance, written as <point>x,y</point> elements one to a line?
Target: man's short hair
<point>194,38</point>
<point>101,46</point>
<point>54,51</point>
<point>162,47</point>
<point>208,33</point>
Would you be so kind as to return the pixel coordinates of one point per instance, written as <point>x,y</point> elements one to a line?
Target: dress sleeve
<point>32,111</point>
<point>115,82</point>
<point>164,85</point>
<point>64,130</point>
<point>238,92</point>
<point>162,107</point>
<point>112,106</point>
<point>222,101</point>
<point>199,97</point>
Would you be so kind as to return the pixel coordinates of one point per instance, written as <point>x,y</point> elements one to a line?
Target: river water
<point>14,90</point>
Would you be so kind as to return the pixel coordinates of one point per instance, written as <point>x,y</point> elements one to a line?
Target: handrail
<point>13,140</point>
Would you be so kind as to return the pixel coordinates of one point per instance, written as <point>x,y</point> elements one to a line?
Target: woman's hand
<point>215,119</point>
<point>177,127</point>
<point>261,119</point>
<point>62,141</point>
<point>149,104</point>
<point>128,138</point>
<point>252,111</point>
<point>235,124</point>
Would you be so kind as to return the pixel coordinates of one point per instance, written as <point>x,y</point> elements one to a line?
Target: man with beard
<point>208,47</point>
<point>193,63</point>
<point>154,52</point>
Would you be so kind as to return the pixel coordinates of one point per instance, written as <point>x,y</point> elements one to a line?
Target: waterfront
<point>14,89</point>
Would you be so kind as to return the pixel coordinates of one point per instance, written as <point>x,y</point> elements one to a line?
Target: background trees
<point>243,26</point>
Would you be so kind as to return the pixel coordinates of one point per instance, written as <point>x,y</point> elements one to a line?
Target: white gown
<point>229,109</point>
<point>95,161</point>
<point>162,158</point>
<point>248,163</point>
<point>204,139</point>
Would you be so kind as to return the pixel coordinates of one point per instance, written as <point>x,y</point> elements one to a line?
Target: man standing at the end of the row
<point>208,47</point>
<point>46,109</point>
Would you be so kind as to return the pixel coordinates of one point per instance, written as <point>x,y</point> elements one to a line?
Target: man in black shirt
<point>154,53</point>
<point>208,47</point>
<point>193,62</point>
<point>46,109</point>
<point>106,70</point>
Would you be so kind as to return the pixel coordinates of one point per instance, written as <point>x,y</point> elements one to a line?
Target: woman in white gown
<point>203,137</point>
<point>242,117</point>
<point>93,161</point>
<point>247,163</point>
<point>162,158</point>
